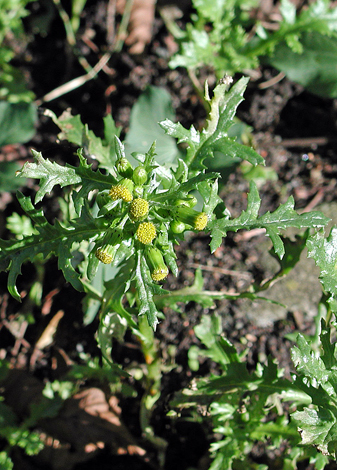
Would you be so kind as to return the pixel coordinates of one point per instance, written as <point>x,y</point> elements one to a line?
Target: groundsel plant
<point>129,216</point>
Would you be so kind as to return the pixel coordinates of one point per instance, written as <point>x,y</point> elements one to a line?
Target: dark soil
<point>293,130</point>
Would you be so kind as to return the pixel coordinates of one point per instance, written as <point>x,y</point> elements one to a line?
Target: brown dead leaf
<point>140,24</point>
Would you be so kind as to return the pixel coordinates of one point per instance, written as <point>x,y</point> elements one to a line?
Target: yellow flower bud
<point>106,253</point>
<point>122,190</point>
<point>155,261</point>
<point>146,232</point>
<point>139,209</point>
<point>197,220</point>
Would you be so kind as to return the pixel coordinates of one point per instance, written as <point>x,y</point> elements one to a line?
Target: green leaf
<point>146,288</point>
<point>317,427</point>
<point>179,191</point>
<point>153,106</point>
<point>292,252</point>
<point>74,131</point>
<point>51,239</point>
<point>190,137</point>
<point>115,290</point>
<point>308,363</point>
<point>193,293</point>
<point>209,192</point>
<point>210,10</point>
<point>314,68</point>
<point>219,349</point>
<point>288,11</point>
<point>324,252</point>
<point>110,130</point>
<point>90,180</point>
<point>215,137</point>
<point>283,217</point>
<point>17,122</point>
<point>49,173</point>
<point>29,441</point>
<point>317,377</point>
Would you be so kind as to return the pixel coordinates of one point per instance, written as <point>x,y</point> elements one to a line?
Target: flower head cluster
<point>135,221</point>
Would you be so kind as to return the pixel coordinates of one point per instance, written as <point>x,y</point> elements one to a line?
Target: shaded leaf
<point>153,106</point>
<point>314,68</point>
<point>17,122</point>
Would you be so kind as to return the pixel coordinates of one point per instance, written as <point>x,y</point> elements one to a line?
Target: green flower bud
<point>146,232</point>
<point>106,253</point>
<point>139,175</point>
<point>139,209</point>
<point>177,226</point>
<point>197,220</point>
<point>122,190</point>
<point>156,264</point>
<point>124,167</point>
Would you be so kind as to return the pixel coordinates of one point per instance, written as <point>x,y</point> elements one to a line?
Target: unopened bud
<point>110,244</point>
<point>146,232</point>
<point>124,167</point>
<point>122,190</point>
<point>197,220</point>
<point>177,226</point>
<point>139,175</point>
<point>157,266</point>
<point>139,209</point>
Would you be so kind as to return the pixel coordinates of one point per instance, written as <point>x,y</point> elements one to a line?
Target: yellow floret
<point>103,256</point>
<point>160,274</point>
<point>139,208</point>
<point>201,221</point>
<point>120,192</point>
<point>146,232</point>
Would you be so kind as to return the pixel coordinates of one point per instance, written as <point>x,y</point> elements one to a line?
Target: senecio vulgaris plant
<point>131,216</point>
<point>127,215</point>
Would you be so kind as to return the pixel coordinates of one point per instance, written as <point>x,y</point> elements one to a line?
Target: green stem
<point>152,386</point>
<point>66,22</point>
<point>122,31</point>
<point>277,37</point>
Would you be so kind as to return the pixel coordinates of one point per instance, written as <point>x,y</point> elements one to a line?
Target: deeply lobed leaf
<point>283,217</point>
<point>51,239</point>
<point>324,252</point>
